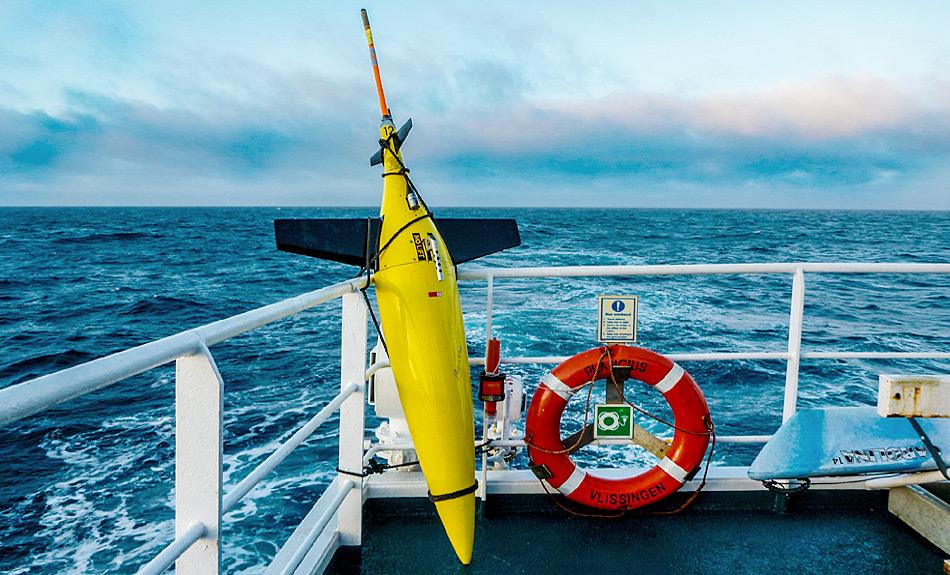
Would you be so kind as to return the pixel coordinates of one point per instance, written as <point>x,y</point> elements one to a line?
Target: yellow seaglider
<point>421,315</point>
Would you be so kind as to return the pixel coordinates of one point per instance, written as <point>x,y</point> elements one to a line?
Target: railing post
<point>489,311</point>
<point>198,448</point>
<point>794,344</point>
<point>352,369</point>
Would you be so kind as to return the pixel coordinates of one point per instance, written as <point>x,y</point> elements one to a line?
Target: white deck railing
<point>792,355</point>
<point>336,517</point>
<point>199,499</point>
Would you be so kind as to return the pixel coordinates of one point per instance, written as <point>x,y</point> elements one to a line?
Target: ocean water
<point>87,487</point>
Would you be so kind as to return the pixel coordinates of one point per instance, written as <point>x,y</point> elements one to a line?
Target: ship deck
<point>817,532</point>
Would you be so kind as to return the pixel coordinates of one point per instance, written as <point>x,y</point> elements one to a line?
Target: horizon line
<point>519,207</point>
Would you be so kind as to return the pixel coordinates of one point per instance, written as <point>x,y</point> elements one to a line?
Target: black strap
<point>931,448</point>
<point>776,487</point>
<point>352,473</point>
<point>375,466</point>
<point>455,494</point>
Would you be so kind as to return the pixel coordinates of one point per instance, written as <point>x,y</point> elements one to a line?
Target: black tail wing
<point>340,240</point>
<point>472,238</point>
<point>349,241</point>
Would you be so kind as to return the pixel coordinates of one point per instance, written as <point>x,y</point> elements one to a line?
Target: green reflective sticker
<point>613,421</point>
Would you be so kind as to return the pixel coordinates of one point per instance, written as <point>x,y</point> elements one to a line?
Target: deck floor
<point>825,533</point>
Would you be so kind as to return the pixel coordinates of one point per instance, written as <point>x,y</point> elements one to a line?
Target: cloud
<point>822,110</point>
<point>832,134</point>
<point>242,133</point>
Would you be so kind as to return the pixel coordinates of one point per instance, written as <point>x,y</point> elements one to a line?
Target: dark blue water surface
<point>86,487</point>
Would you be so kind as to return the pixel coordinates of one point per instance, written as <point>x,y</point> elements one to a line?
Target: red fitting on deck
<point>493,357</point>
<point>491,385</point>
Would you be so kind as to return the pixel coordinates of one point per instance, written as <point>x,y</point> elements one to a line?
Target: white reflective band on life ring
<point>557,386</point>
<point>672,469</point>
<point>670,379</point>
<point>573,482</point>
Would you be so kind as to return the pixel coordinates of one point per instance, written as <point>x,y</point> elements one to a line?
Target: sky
<point>805,105</point>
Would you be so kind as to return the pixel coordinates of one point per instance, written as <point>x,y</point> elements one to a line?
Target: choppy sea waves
<point>87,487</point>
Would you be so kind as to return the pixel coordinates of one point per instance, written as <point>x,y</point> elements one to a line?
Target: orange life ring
<point>692,422</point>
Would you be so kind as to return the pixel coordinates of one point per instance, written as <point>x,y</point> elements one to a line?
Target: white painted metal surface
<point>892,481</point>
<point>352,368</point>
<point>344,489</point>
<point>167,557</point>
<point>712,356</point>
<point>876,354</point>
<point>733,356</point>
<point>702,269</point>
<point>198,453</point>
<point>371,370</point>
<point>913,396</point>
<point>482,492</point>
<point>385,395</point>
<point>323,548</point>
<point>524,482</point>
<point>795,320</point>
<point>489,307</point>
<point>407,445</point>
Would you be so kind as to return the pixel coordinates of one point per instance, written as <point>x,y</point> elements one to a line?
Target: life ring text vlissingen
<point>690,417</point>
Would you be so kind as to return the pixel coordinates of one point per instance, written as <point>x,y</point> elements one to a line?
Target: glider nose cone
<point>458,519</point>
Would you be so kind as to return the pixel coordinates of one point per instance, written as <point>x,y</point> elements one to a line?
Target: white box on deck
<point>383,394</point>
<point>913,396</point>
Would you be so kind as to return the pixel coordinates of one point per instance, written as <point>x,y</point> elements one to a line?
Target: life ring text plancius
<point>692,424</point>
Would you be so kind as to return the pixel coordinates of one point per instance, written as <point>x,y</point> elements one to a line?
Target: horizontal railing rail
<point>712,356</point>
<point>25,399</point>
<point>734,356</point>
<point>337,493</point>
<point>239,491</point>
<point>166,558</point>
<point>702,269</point>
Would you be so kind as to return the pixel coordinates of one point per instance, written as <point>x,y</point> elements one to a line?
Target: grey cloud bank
<point>212,111</point>
<point>871,147</point>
